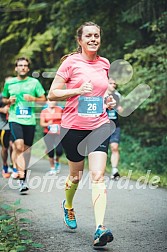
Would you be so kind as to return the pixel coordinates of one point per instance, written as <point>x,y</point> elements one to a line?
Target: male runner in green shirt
<point>21,93</point>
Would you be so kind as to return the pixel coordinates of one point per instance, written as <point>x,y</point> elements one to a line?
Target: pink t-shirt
<point>85,112</point>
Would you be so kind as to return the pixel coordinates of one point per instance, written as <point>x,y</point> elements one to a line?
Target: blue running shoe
<point>5,171</point>
<point>102,236</point>
<point>69,217</point>
<point>57,167</point>
<point>15,173</point>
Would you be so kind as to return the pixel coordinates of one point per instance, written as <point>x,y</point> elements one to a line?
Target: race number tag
<point>90,106</point>
<point>112,114</point>
<point>23,112</point>
<point>54,128</point>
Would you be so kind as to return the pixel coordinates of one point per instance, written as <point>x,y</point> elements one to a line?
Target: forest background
<point>133,30</point>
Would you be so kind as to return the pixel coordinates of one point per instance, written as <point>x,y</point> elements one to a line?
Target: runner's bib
<point>90,106</point>
<point>23,112</point>
<point>54,128</point>
<point>112,114</point>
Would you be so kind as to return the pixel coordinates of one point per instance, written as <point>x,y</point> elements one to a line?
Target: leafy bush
<point>135,156</point>
<point>14,236</point>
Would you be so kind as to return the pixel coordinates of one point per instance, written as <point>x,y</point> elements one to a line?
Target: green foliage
<point>149,65</point>
<point>39,43</point>
<point>140,159</point>
<point>14,236</point>
<point>135,156</point>
<point>144,10</point>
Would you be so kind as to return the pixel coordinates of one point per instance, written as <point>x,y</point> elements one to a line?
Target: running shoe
<point>5,172</point>
<point>10,170</point>
<point>52,171</point>
<point>69,217</point>
<point>23,186</point>
<point>102,236</point>
<point>57,167</point>
<point>15,173</point>
<point>115,176</point>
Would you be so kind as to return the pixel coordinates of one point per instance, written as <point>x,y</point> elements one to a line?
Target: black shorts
<point>79,143</point>
<point>25,132</point>
<point>115,137</point>
<point>5,138</point>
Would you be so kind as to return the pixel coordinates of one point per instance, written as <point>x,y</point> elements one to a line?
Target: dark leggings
<point>52,142</point>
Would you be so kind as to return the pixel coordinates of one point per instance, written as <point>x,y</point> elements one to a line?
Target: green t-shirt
<point>22,111</point>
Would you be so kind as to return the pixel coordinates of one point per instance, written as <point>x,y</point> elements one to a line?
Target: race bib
<point>54,128</point>
<point>90,106</point>
<point>23,112</point>
<point>112,114</point>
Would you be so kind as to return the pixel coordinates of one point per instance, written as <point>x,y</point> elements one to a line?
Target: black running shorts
<point>25,132</point>
<point>78,144</point>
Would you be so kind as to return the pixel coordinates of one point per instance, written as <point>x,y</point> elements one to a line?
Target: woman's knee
<point>97,176</point>
<point>75,178</point>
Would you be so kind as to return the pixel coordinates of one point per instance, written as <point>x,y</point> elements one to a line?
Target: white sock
<point>114,170</point>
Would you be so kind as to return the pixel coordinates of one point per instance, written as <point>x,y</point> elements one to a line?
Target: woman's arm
<point>43,123</point>
<point>57,93</point>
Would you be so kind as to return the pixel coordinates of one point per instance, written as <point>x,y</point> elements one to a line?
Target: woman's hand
<point>86,87</point>
<point>49,122</point>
